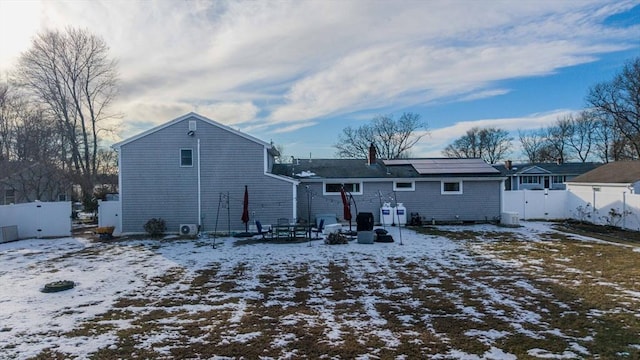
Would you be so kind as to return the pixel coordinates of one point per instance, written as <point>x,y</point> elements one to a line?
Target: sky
<point>298,72</point>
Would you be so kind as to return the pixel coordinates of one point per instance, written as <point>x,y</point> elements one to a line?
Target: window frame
<point>358,185</point>
<point>410,188</point>
<point>530,177</point>
<point>182,164</point>
<point>445,192</point>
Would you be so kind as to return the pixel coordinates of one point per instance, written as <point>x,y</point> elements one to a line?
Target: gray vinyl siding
<point>155,185</point>
<point>479,201</point>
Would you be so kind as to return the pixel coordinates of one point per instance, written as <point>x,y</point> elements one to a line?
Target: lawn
<point>446,292</point>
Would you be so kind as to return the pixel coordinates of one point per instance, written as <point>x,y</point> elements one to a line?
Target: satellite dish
<point>190,132</point>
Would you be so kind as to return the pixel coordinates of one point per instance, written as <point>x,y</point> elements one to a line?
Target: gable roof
<point>360,169</point>
<point>187,116</point>
<point>567,169</point>
<point>619,172</point>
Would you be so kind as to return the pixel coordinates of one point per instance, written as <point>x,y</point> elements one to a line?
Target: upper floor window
<point>186,157</point>
<point>334,188</point>
<point>451,187</point>
<point>403,186</point>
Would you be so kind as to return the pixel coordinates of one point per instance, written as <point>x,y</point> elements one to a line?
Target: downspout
<point>295,201</point>
<point>199,191</point>
<point>120,190</point>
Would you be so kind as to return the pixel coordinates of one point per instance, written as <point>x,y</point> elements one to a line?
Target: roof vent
<point>192,125</point>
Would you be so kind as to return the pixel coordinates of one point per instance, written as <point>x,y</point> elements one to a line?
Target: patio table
<point>291,231</point>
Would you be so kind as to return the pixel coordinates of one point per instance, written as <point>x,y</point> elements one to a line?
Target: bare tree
<point>619,99</point>
<point>36,137</point>
<point>534,145</point>
<point>8,119</point>
<point>582,134</point>
<point>497,144</point>
<point>393,139</point>
<point>466,146</point>
<point>491,144</point>
<point>557,138</point>
<point>71,73</point>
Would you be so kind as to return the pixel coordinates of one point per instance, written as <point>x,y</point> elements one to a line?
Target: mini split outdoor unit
<point>188,229</point>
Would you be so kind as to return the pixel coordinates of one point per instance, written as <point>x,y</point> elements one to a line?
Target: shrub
<point>336,238</point>
<point>614,217</point>
<point>155,227</point>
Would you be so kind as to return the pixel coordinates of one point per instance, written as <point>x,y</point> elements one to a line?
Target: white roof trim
<point>184,117</point>
<point>526,171</point>
<point>590,184</point>
<point>403,179</point>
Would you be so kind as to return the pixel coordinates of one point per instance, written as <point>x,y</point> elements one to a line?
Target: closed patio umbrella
<point>346,209</point>
<point>245,209</point>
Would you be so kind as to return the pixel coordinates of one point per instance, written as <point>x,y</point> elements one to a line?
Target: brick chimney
<point>372,154</point>
<point>508,164</point>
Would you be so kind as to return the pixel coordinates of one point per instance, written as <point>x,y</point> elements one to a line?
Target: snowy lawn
<point>467,292</point>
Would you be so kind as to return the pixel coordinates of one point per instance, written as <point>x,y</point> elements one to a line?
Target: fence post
<point>624,209</point>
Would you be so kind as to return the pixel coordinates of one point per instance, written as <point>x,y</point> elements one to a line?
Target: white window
<point>404,186</point>
<point>186,157</point>
<point>558,179</point>
<point>451,187</point>
<point>334,188</point>
<point>529,179</point>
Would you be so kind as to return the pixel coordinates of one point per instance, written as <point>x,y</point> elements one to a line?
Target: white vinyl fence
<point>109,215</point>
<point>38,219</point>
<point>536,204</point>
<point>605,205</point>
<point>602,205</point>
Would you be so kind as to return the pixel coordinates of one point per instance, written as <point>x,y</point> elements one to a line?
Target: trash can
<point>364,223</point>
<point>365,237</point>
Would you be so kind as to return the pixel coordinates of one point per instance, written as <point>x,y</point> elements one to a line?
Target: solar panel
<point>446,166</point>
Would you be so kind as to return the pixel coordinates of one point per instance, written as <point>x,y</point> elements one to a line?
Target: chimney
<point>559,161</point>
<point>372,154</point>
<point>508,164</point>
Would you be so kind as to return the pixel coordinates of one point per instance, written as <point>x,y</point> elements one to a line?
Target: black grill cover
<point>364,221</point>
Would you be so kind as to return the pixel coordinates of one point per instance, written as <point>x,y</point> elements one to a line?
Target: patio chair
<point>261,230</point>
<point>318,229</point>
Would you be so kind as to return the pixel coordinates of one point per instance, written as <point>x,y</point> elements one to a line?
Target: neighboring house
<point>619,176</point>
<point>607,195</point>
<point>539,176</point>
<point>193,170</point>
<point>441,190</point>
<point>23,183</point>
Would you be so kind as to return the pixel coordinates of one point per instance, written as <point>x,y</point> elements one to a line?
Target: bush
<point>336,238</point>
<point>155,227</point>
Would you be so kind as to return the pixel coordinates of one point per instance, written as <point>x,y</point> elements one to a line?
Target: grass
<point>557,294</point>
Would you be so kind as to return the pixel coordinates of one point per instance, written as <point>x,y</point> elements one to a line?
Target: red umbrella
<point>245,209</point>
<point>345,206</point>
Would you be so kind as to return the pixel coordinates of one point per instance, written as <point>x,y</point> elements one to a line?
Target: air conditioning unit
<point>188,229</point>
<point>510,218</point>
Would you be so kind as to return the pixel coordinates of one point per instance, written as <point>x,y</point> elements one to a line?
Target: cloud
<point>436,140</point>
<point>229,113</point>
<point>292,64</point>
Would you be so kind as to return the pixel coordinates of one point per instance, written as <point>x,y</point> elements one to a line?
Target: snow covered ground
<point>176,298</point>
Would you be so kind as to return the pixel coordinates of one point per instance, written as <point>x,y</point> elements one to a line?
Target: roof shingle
<point>619,172</point>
